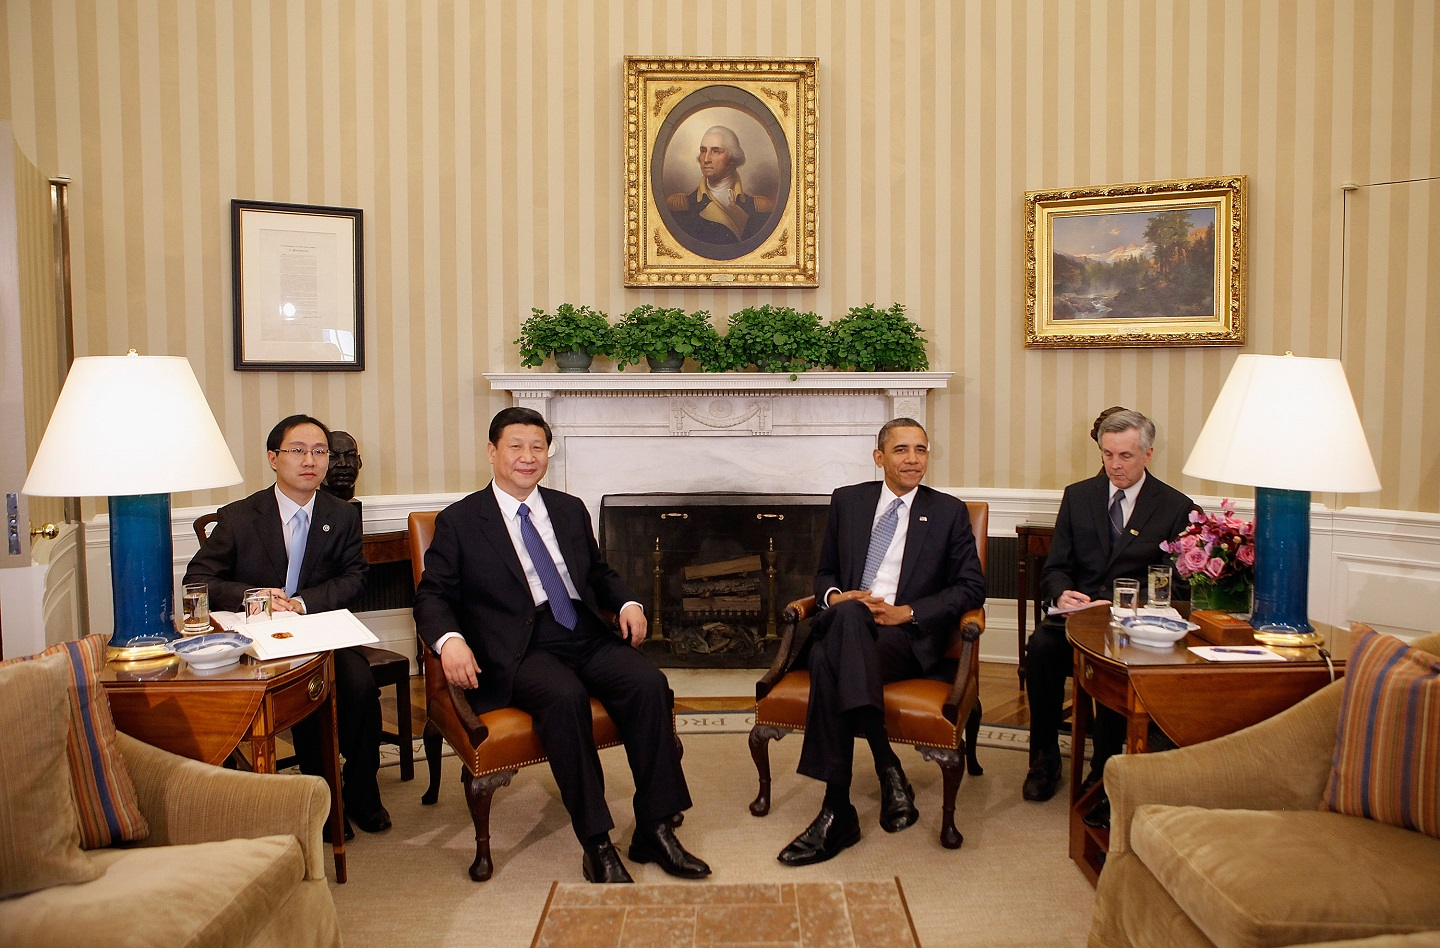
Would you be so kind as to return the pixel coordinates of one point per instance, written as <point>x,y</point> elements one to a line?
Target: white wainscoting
<point>1375,566</point>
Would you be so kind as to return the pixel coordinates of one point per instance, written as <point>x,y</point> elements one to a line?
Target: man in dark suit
<point>898,568</point>
<point>1109,526</point>
<point>511,601</point>
<point>305,548</point>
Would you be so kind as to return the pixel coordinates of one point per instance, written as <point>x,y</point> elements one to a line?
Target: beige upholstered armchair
<point>1223,843</point>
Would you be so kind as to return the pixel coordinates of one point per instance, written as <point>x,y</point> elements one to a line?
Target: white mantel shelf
<point>753,432</point>
<point>667,383</point>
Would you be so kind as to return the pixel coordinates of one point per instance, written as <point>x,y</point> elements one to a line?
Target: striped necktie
<point>561,606</point>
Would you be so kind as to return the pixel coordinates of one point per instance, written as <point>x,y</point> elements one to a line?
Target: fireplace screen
<point>714,570</point>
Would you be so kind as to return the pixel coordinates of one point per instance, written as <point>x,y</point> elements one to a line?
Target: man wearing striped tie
<point>305,548</point>
<point>1109,526</point>
<point>898,568</point>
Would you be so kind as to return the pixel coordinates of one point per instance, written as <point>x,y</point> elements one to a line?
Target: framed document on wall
<point>299,292</point>
<point>720,168</point>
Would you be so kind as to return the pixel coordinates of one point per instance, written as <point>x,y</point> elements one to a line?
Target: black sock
<point>870,723</point>
<point>837,796</point>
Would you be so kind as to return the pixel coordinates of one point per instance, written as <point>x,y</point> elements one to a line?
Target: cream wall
<point>484,143</point>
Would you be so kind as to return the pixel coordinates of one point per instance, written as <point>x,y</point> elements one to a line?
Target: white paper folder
<point>299,635</point>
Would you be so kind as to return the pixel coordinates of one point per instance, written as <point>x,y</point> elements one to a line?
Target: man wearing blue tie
<point>512,601</point>
<point>898,568</point>
<point>305,548</point>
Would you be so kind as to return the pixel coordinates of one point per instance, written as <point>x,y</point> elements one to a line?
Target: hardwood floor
<point>1000,697</point>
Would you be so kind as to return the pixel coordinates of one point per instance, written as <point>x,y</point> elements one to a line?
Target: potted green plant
<point>665,337</point>
<point>775,339</point>
<point>871,339</point>
<point>573,334</point>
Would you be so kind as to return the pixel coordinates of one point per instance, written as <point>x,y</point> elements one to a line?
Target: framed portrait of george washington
<point>720,171</point>
<point>1160,263</point>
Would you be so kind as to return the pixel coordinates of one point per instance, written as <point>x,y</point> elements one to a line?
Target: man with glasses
<point>304,547</point>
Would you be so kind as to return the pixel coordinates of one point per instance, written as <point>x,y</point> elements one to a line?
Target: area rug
<point>829,914</point>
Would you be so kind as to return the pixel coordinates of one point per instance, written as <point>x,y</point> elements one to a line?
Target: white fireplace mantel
<point>760,432</point>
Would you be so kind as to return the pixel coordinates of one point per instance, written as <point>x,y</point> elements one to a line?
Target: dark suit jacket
<point>474,584</point>
<point>940,575</point>
<point>247,548</point>
<point>1081,557</point>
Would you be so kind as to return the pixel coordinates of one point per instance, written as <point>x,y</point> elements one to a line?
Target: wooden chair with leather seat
<point>391,669</point>
<point>492,746</point>
<point>918,711</point>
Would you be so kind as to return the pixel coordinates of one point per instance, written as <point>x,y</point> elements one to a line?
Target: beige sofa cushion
<point>1249,877</point>
<point>39,832</point>
<point>207,894</point>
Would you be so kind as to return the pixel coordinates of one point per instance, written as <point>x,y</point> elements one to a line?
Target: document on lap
<point>1059,611</point>
<point>290,633</point>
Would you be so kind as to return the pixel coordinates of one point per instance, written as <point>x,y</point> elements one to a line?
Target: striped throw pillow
<point>105,799</point>
<point>1387,743</point>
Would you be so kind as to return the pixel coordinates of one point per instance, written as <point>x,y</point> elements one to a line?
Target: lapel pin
<point>326,528</point>
<point>924,519</point>
<point>1133,531</point>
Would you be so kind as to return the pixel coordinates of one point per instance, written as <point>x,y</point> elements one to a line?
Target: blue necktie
<point>561,607</point>
<point>295,550</point>
<point>880,539</point>
<point>1117,516</point>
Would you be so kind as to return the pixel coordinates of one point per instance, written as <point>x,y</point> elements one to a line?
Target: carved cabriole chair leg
<point>478,793</point>
<point>433,746</point>
<point>972,736</point>
<point>760,737</point>
<point>952,773</point>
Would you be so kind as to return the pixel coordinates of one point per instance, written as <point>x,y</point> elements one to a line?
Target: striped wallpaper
<point>484,142</point>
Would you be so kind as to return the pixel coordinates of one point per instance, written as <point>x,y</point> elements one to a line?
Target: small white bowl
<point>215,650</point>
<point>1154,630</point>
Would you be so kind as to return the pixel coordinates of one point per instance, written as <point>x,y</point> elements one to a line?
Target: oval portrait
<point>721,172</point>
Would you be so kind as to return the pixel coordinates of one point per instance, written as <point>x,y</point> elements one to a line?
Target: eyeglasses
<point>318,453</point>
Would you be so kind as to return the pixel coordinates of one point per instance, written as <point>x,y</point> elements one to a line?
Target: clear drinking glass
<point>1159,586</point>
<point>1127,597</point>
<point>257,605</point>
<point>195,608</point>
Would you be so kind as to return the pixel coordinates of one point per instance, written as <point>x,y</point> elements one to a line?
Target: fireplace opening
<point>714,570</point>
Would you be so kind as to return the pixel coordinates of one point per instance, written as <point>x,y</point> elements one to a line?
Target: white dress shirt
<point>287,525</point>
<point>887,578</point>
<point>1127,506</point>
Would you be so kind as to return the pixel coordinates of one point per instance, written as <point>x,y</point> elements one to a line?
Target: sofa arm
<point>1282,763</point>
<point>187,801</point>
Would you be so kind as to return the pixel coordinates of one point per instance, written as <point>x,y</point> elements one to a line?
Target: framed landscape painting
<point>1154,264</point>
<point>720,171</point>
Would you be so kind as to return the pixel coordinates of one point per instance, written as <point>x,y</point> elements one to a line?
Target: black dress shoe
<point>897,801</point>
<point>1042,780</point>
<point>1099,815</point>
<point>658,844</point>
<point>374,821</point>
<point>602,864</point>
<point>824,838</point>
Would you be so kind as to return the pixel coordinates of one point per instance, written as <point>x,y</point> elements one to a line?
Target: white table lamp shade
<point>126,425</point>
<point>1285,422</point>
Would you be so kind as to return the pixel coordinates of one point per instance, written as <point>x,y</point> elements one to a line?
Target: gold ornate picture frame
<point>748,126</point>
<point>1154,264</point>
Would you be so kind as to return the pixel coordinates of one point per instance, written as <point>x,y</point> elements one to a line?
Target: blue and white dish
<point>215,650</point>
<point>1154,630</point>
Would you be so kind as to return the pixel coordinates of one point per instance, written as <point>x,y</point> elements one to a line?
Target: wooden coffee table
<point>205,715</point>
<point>1188,698</point>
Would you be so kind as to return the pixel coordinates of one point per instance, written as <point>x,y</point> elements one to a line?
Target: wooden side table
<point>1029,558</point>
<point>1188,698</point>
<point>205,715</point>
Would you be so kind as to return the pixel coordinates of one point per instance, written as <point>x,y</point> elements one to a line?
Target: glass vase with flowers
<point>1216,556</point>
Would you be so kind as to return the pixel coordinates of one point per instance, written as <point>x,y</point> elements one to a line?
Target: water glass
<point>195,608</point>
<point>257,605</point>
<point>1127,596</point>
<point>1159,586</point>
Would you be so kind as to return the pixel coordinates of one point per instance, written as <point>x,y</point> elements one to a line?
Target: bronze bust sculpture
<point>344,467</point>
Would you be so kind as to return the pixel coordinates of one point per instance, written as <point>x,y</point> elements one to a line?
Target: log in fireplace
<point>714,569</point>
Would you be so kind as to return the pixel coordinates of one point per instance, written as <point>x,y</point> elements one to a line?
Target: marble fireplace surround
<point>749,432</point>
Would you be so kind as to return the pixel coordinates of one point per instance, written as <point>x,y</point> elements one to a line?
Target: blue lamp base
<point>141,576</point>
<point>1282,568</point>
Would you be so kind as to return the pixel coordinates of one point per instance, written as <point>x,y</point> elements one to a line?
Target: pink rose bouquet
<point>1215,551</point>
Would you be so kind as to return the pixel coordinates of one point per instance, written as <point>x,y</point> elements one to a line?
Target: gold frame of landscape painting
<point>1155,264</point>
<point>759,225</point>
